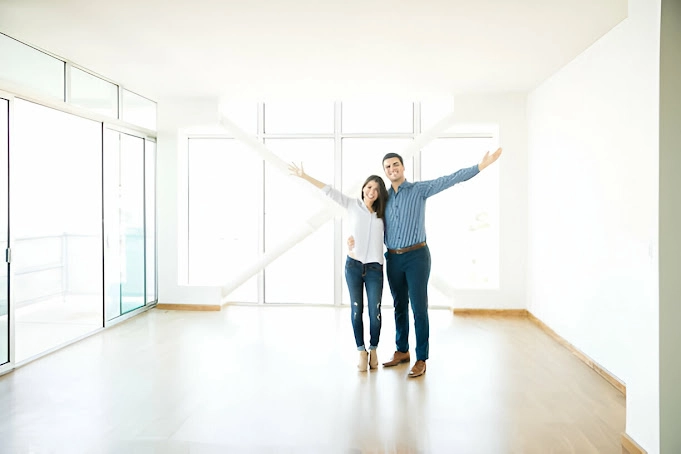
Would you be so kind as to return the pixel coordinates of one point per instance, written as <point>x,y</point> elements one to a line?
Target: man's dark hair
<point>393,155</point>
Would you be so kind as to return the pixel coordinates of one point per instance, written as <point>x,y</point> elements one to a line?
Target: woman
<point>364,264</point>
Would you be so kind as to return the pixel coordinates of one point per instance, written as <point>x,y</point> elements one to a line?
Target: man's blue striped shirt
<point>405,213</point>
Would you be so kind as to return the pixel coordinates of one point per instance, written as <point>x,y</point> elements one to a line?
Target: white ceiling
<point>332,49</point>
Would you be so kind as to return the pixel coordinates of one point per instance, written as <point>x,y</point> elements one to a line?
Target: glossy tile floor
<point>50,323</point>
<point>284,380</point>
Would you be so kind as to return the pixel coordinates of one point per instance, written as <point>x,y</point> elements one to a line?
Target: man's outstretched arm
<point>429,188</point>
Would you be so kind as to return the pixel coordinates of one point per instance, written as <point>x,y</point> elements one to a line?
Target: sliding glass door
<point>56,214</point>
<point>124,239</point>
<point>150,220</point>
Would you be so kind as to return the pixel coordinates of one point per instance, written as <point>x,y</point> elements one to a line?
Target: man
<point>408,256</point>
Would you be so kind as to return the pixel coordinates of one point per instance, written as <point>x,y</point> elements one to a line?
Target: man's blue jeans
<point>359,275</point>
<point>408,275</point>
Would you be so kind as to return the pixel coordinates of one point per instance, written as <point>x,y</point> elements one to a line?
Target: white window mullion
<point>337,223</point>
<point>261,219</point>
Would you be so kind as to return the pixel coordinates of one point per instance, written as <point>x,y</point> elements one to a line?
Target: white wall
<point>593,176</point>
<point>173,116</point>
<point>507,110</point>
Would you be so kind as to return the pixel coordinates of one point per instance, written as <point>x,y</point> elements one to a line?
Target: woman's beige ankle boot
<point>373,359</point>
<point>363,359</point>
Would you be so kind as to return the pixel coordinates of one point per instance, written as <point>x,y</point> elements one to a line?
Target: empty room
<point>216,235</point>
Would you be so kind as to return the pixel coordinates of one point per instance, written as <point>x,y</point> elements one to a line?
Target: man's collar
<point>405,184</point>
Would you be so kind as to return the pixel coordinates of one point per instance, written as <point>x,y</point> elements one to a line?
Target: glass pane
<point>4,307</point>
<point>24,65</point>
<point>361,158</point>
<point>56,218</point>
<point>112,224</point>
<point>298,117</point>
<point>132,222</point>
<point>304,273</point>
<point>150,216</point>
<point>93,93</point>
<point>138,110</point>
<point>225,194</point>
<point>378,117</point>
<point>467,244</point>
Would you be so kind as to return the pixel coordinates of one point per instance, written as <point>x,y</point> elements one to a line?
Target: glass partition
<point>4,267</point>
<point>112,224</point>
<point>93,93</point>
<point>150,220</point>
<point>23,65</point>
<point>132,222</point>
<point>56,211</point>
<point>124,237</point>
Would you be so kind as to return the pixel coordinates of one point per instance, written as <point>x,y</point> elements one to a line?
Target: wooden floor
<point>284,380</point>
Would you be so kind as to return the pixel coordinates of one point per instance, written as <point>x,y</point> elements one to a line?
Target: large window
<point>385,117</point>
<point>296,118</point>
<point>63,185</point>
<point>304,273</point>
<point>48,76</point>
<point>242,208</point>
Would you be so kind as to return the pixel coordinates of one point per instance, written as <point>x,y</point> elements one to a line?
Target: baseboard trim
<point>490,312</point>
<point>629,446</point>
<point>614,381</point>
<point>188,307</point>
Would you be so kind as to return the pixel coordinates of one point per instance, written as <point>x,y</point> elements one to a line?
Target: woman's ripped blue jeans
<point>359,276</point>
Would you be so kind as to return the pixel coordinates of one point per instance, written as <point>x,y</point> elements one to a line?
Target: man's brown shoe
<point>418,369</point>
<point>398,357</point>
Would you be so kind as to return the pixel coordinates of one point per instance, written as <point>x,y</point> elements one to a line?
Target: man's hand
<point>489,159</point>
<point>351,243</point>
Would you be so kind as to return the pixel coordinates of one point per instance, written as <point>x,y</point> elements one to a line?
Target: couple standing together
<point>396,217</point>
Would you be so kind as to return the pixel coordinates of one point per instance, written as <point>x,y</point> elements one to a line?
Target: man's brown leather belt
<point>407,249</point>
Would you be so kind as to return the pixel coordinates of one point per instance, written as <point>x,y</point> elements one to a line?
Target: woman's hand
<point>295,170</point>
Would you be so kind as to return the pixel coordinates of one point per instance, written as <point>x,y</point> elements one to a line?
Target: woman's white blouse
<point>365,227</point>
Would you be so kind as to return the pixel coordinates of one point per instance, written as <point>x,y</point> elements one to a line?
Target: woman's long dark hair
<point>382,199</point>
